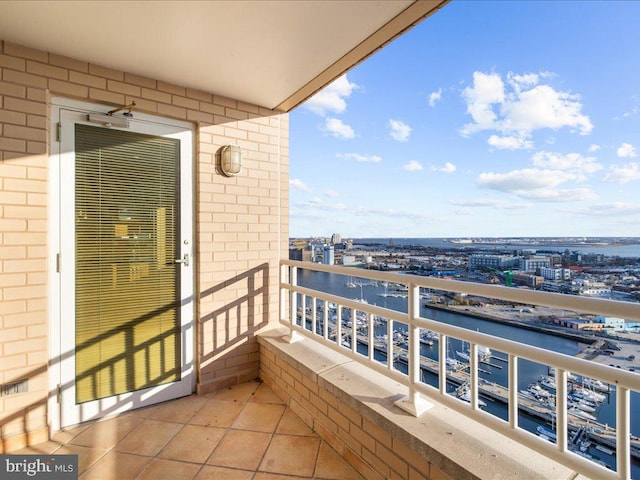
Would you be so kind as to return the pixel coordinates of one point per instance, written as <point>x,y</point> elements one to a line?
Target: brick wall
<point>241,222</point>
<point>375,452</point>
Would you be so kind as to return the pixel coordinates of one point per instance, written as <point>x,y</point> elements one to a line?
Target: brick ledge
<point>352,407</point>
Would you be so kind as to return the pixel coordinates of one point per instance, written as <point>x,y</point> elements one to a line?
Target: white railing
<point>313,322</point>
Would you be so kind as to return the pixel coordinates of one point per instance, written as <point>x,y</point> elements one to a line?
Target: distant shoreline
<point>588,339</point>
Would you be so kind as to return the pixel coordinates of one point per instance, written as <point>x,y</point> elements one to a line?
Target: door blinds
<point>126,281</point>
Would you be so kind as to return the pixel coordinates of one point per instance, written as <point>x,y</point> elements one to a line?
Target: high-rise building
<point>328,255</point>
<point>336,238</point>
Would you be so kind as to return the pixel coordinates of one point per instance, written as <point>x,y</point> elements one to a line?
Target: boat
<point>595,384</point>
<point>549,383</point>
<point>547,432</point>
<point>581,413</point>
<point>589,395</point>
<point>465,395</point>
<point>604,449</point>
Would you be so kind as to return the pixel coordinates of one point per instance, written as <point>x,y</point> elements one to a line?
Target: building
<point>555,274</point>
<point>498,262</point>
<point>328,255</point>
<point>534,262</point>
<point>336,238</point>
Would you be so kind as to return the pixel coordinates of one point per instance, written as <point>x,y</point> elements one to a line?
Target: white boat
<point>595,384</point>
<point>606,450</point>
<point>549,383</point>
<point>466,396</point>
<point>581,413</point>
<point>463,355</point>
<point>589,395</point>
<point>547,432</point>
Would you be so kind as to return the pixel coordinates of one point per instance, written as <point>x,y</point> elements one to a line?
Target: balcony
<point>330,408</point>
<point>400,377</point>
<point>240,433</point>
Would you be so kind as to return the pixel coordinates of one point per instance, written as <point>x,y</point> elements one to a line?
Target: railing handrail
<point>614,308</point>
<point>623,380</point>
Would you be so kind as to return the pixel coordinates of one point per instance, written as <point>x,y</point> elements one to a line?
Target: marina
<point>591,423</point>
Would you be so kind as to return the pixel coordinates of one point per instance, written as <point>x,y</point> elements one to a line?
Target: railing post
<point>513,391</point>
<point>283,291</point>
<point>293,305</point>
<point>473,375</point>
<point>442,355</point>
<point>561,409</point>
<point>623,433</point>
<point>415,404</point>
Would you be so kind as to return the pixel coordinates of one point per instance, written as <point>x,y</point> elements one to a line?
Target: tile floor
<point>243,433</point>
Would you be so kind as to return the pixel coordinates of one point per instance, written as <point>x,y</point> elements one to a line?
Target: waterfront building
<point>492,261</point>
<point>533,263</point>
<point>328,255</point>
<point>555,273</point>
<point>531,281</point>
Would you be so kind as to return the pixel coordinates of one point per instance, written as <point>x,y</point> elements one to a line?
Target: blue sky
<point>503,118</point>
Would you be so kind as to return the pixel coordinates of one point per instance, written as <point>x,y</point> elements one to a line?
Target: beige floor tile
<point>237,393</point>
<point>291,455</point>
<point>265,395</point>
<point>221,473</point>
<point>149,438</point>
<point>86,456</point>
<point>42,448</point>
<point>240,449</point>
<point>259,417</point>
<point>276,476</point>
<point>217,413</point>
<point>179,411</point>
<point>115,465</point>
<point>168,469</point>
<point>144,412</point>
<point>107,433</point>
<point>194,443</point>
<point>291,424</point>
<point>68,434</point>
<point>330,465</point>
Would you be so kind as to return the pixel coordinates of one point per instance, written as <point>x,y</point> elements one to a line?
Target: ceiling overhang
<point>274,54</point>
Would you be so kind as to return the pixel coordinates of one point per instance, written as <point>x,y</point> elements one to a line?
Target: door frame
<point>58,359</point>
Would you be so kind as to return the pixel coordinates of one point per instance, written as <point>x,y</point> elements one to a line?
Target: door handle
<point>184,260</point>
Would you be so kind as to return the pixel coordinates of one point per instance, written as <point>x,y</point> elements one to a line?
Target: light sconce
<point>231,160</point>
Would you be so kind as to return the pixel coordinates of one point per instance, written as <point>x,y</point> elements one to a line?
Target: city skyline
<point>525,121</point>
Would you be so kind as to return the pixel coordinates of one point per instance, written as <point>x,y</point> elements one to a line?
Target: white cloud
<point>490,202</point>
<point>626,150</point>
<point>447,168</point>
<point>610,209</point>
<point>519,108</point>
<point>561,195</point>
<point>339,129</point>
<point>332,97</point>
<point>400,131</point>
<point>624,174</point>
<point>536,184</point>
<point>523,180</point>
<point>570,162</point>
<point>299,184</point>
<point>332,193</point>
<point>413,166</point>
<point>510,143</point>
<point>593,148</point>
<point>435,97</point>
<point>486,91</point>
<point>360,158</point>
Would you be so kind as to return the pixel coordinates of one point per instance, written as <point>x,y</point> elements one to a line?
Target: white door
<point>125,264</point>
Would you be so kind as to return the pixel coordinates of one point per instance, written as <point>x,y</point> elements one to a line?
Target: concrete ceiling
<point>270,53</point>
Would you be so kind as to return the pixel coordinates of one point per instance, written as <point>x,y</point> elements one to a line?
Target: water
<point>625,251</point>
<point>528,372</point>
